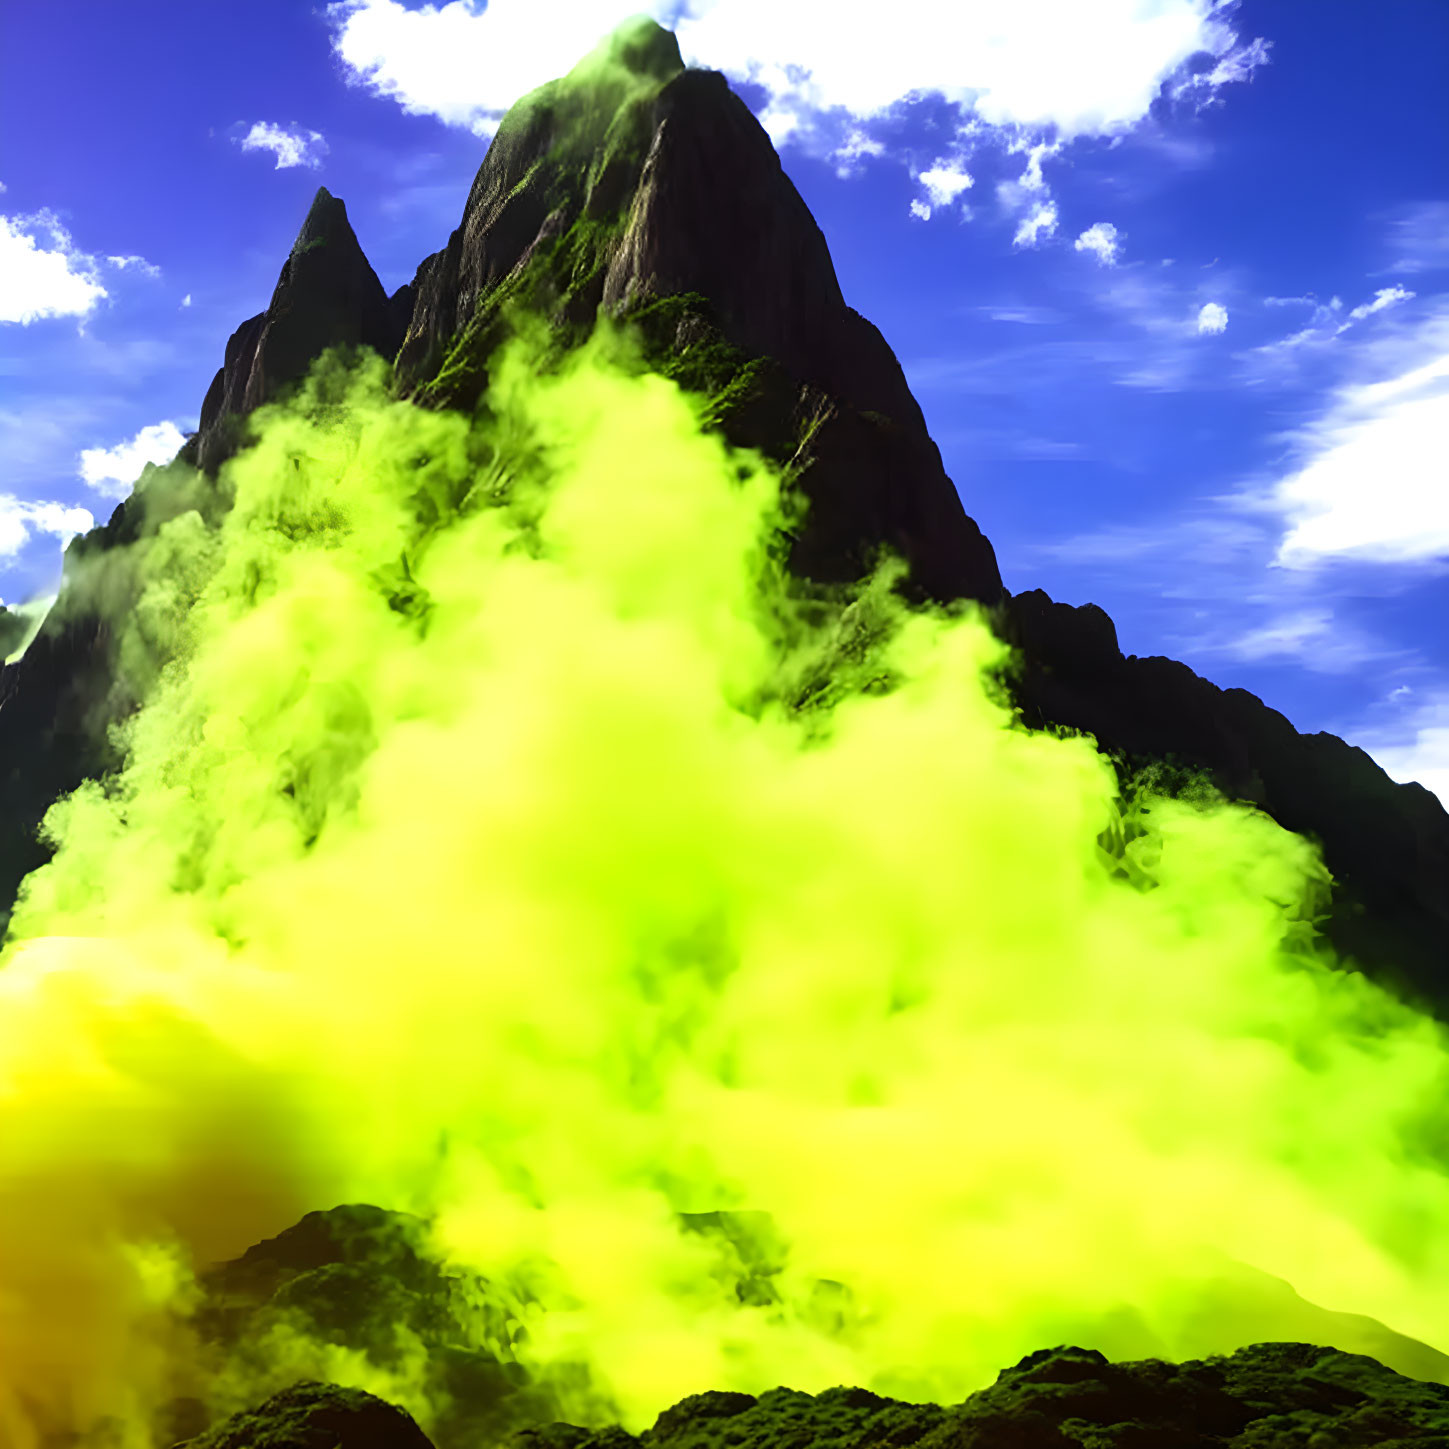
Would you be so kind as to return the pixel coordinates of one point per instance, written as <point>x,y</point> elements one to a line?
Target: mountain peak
<point>639,45</point>
<point>326,224</point>
<point>327,294</point>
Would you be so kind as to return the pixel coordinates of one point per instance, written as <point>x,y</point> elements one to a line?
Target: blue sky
<point>1170,279</point>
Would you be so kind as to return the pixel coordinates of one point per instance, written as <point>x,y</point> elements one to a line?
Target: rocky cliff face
<point>327,295</point>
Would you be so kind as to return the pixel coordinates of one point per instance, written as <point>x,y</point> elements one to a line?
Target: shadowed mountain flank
<point>1386,844</point>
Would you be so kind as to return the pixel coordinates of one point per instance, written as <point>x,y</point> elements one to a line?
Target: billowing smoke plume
<point>505,839</point>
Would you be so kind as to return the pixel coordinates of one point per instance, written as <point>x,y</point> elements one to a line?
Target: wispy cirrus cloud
<point>1031,314</point>
<point>1283,358</point>
<point>1206,572</point>
<point>1417,237</point>
<point>1367,480</point>
<point>1135,325</point>
<point>1318,638</point>
<point>140,264</point>
<point>292,145</point>
<point>1385,297</point>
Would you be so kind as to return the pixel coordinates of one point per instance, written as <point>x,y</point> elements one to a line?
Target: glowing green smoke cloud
<point>472,860</point>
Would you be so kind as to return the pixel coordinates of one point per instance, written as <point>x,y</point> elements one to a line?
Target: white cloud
<point>140,263</point>
<point>1284,356</point>
<point>1418,747</point>
<point>44,281</point>
<point>464,66</point>
<point>1212,318</point>
<point>1384,297</point>
<point>945,183</point>
<point>1371,482</point>
<point>1101,239</point>
<point>849,152</point>
<point>1081,68</point>
<point>186,300</point>
<point>1009,313</point>
<point>1028,197</point>
<point>828,68</point>
<point>1419,237</point>
<point>1235,64</point>
<point>19,519</point>
<point>112,471</point>
<point>1313,637</point>
<point>294,146</point>
<point>1040,221</point>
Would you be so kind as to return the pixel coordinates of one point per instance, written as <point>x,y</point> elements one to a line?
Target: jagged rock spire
<point>327,294</point>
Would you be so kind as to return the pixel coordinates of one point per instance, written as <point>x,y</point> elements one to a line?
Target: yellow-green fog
<point>471,860</point>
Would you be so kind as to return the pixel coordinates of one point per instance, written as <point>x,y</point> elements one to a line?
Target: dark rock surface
<point>52,735</point>
<point>358,1277</point>
<point>1386,844</point>
<point>606,189</point>
<point>317,1416</point>
<point>327,295</point>
<point>1267,1396</point>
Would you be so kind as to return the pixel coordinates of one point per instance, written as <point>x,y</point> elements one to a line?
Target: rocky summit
<point>646,190</point>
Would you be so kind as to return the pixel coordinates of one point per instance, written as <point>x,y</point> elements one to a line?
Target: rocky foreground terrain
<point>352,1276</point>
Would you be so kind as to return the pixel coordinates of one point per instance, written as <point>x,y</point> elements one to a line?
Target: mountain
<point>648,190</point>
<point>604,189</point>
